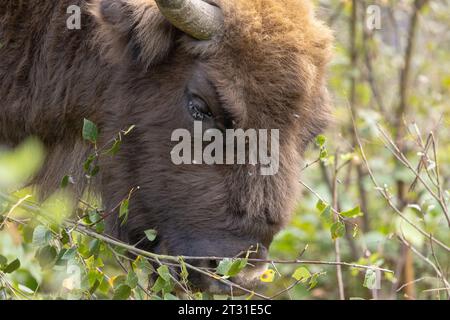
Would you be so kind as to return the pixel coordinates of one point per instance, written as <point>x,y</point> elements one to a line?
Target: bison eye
<point>198,109</point>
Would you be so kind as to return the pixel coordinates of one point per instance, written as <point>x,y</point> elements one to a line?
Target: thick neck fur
<point>50,80</point>
<point>48,73</point>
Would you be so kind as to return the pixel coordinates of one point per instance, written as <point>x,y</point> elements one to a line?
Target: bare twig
<point>396,151</point>
<point>406,70</point>
<point>400,124</point>
<point>292,286</point>
<point>337,248</point>
<point>428,261</point>
<point>386,196</point>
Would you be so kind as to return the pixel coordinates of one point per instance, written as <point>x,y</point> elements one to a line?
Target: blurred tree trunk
<point>400,125</point>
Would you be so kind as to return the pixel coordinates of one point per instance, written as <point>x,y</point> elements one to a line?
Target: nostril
<point>213,264</point>
<point>263,252</point>
<point>260,253</point>
<point>207,264</point>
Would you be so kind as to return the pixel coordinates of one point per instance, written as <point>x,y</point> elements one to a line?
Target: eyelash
<point>196,113</point>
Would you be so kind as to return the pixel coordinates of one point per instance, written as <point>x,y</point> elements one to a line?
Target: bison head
<point>242,64</point>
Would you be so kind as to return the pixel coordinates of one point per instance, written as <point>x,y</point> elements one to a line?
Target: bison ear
<point>317,116</point>
<point>132,29</point>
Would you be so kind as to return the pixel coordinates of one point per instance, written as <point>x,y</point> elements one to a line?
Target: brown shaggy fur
<point>128,65</point>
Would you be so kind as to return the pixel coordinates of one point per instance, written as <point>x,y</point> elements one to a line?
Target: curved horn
<point>196,18</point>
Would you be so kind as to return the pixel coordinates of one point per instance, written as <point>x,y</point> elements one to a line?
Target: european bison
<point>160,65</point>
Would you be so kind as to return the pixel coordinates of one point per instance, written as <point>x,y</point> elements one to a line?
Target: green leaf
<point>19,165</point>
<point>58,206</point>
<point>59,259</point>
<point>321,140</point>
<point>132,279</point>
<point>323,154</point>
<point>41,236</point>
<point>337,230</point>
<point>301,274</point>
<point>164,272</point>
<point>352,213</point>
<point>100,227</point>
<point>99,263</point>
<point>122,292</point>
<point>94,278</point>
<point>370,279</point>
<point>90,131</point>
<point>169,296</point>
<point>115,148</point>
<point>94,247</point>
<point>184,272</point>
<point>65,181</point>
<point>231,267</point>
<point>94,287</point>
<point>95,217</point>
<point>13,266</point>
<point>224,266</point>
<point>142,264</point>
<point>46,256</point>
<point>320,205</point>
<point>25,278</point>
<point>327,215</point>
<point>87,164</point>
<point>151,234</point>
<point>313,281</point>
<point>237,267</point>
<point>123,212</point>
<point>3,261</point>
<point>118,281</point>
<point>94,171</point>
<point>70,254</point>
<point>65,239</point>
<point>161,285</point>
<point>158,285</point>
<point>104,285</point>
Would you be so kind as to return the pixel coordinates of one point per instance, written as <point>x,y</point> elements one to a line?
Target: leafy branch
<point>88,230</point>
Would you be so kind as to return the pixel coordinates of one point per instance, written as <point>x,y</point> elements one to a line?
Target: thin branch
<point>406,70</point>
<point>425,259</point>
<point>384,194</point>
<point>72,224</point>
<point>292,286</point>
<point>337,248</point>
<point>86,231</point>
<point>396,151</point>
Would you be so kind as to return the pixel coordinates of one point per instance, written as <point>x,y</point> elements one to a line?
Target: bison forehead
<point>271,56</point>
<point>260,28</point>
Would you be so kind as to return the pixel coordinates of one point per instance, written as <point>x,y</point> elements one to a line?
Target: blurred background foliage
<point>395,80</point>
